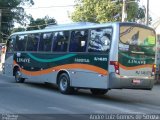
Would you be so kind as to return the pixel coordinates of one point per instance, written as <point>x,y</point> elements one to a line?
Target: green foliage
<point>95,11</point>
<point>19,29</point>
<point>134,12</point>
<point>12,12</point>
<point>106,10</point>
<point>40,23</point>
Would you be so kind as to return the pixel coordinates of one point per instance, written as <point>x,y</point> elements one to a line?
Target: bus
<point>98,57</point>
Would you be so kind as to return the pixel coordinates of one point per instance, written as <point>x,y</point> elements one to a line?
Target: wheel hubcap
<point>63,83</point>
<point>18,75</point>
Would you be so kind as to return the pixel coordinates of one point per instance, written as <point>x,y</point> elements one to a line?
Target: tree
<point>40,23</point>
<point>134,11</point>
<point>19,29</point>
<point>13,12</point>
<point>106,10</point>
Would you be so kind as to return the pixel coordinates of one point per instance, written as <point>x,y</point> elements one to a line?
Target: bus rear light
<point>116,66</point>
<point>153,69</point>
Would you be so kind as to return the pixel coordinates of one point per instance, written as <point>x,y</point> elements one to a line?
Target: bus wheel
<point>64,84</point>
<point>98,91</point>
<point>18,77</point>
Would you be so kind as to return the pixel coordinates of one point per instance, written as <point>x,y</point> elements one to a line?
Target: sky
<point>154,8</point>
<point>56,9</point>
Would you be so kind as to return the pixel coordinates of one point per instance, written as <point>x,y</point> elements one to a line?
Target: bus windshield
<point>137,39</point>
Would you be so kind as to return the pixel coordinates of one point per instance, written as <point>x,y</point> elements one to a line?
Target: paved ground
<point>33,98</point>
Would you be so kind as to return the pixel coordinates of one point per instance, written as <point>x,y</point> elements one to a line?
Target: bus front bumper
<point>132,82</point>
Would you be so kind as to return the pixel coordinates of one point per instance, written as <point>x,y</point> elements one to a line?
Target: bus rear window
<point>100,40</point>
<point>139,36</point>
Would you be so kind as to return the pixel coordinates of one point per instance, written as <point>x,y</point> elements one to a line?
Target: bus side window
<point>32,42</point>
<point>100,40</point>
<point>21,42</point>
<point>60,41</point>
<point>45,42</point>
<point>10,44</point>
<point>78,41</point>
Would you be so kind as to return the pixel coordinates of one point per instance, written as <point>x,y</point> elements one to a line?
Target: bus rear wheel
<point>64,84</point>
<point>98,91</point>
<point>18,77</point>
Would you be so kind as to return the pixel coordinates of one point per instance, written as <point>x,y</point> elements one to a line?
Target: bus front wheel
<point>98,91</point>
<point>64,84</point>
<point>18,77</point>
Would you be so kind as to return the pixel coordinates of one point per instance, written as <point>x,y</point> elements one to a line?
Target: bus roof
<point>73,26</point>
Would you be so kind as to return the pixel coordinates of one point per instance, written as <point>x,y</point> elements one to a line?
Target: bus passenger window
<point>100,40</point>
<point>60,41</point>
<point>78,41</point>
<point>32,42</point>
<point>45,42</point>
<point>21,42</point>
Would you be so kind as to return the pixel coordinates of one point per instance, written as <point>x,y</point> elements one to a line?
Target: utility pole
<point>124,14</point>
<point>147,13</point>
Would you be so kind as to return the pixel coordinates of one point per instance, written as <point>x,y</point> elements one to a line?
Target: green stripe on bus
<point>51,60</point>
<point>131,57</point>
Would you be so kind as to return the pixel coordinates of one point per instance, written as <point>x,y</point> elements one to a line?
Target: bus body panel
<point>120,82</point>
<point>88,79</point>
<point>48,78</point>
<point>87,71</point>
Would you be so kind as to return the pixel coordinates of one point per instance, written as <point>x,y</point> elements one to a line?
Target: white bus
<point>98,57</point>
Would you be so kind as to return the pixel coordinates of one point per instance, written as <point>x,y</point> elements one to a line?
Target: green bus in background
<point>92,56</point>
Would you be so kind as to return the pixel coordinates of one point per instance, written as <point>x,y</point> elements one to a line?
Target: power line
<point>61,6</point>
<point>36,25</point>
<point>32,26</point>
<point>51,7</point>
<point>153,13</point>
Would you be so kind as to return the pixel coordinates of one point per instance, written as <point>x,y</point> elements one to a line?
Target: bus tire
<point>64,84</point>
<point>18,77</point>
<point>98,91</point>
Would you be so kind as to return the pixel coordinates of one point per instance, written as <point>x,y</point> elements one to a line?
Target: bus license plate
<point>136,81</point>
